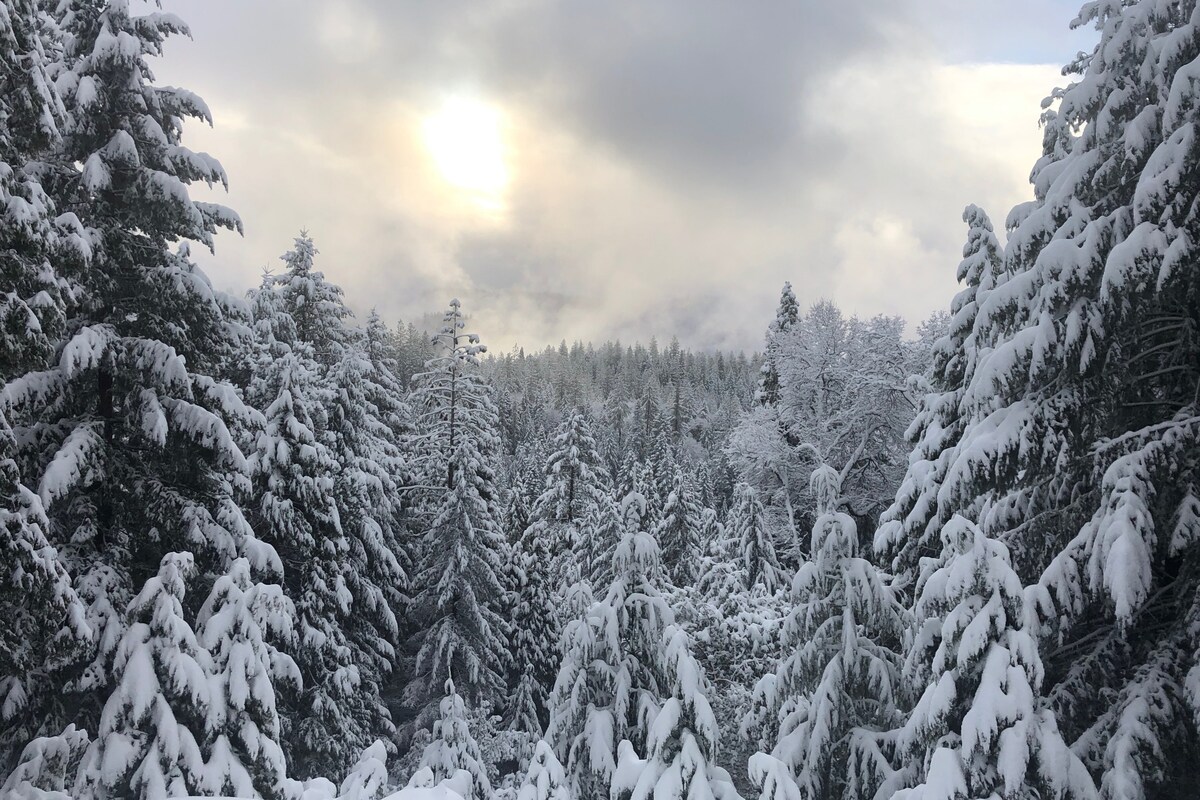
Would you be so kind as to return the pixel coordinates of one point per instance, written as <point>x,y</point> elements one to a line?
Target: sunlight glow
<point>465,138</point>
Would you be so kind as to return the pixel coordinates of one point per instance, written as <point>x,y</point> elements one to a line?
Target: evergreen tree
<point>313,305</point>
<point>546,779</point>
<point>239,625</point>
<point>386,390</point>
<point>661,464</point>
<point>786,317</point>
<point>149,743</point>
<point>755,548</point>
<point>613,677</point>
<point>358,415</point>
<point>125,432</point>
<point>296,511</point>
<point>462,633</point>
<point>605,527</point>
<point>452,402</point>
<point>43,626</point>
<point>678,532</point>
<point>516,514</point>
<point>453,748</point>
<point>368,780</point>
<point>979,725</point>
<point>534,635</point>
<point>366,483</point>
<point>1078,438</point>
<point>459,632</point>
<point>682,741</point>
<point>909,529</point>
<point>575,488</point>
<point>39,249</point>
<point>839,679</point>
<point>47,767</point>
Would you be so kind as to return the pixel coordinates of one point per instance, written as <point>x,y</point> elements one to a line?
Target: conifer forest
<point>262,546</point>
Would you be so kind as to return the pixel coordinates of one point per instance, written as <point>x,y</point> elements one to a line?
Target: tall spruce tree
<point>125,433</point>
<point>545,779</point>
<point>296,511</point>
<point>1078,422</point>
<point>458,591</point>
<point>755,549</point>
<point>243,625</point>
<point>151,736</point>
<point>358,416</point>
<point>787,316</point>
<point>909,530</point>
<point>535,634</point>
<point>453,749</point>
<point>366,486</point>
<point>574,490</point>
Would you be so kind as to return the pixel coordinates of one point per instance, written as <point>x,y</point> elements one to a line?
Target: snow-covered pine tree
<point>652,493</point>
<point>606,527</point>
<point>535,634</point>
<point>360,418</point>
<point>735,627</point>
<point>613,675</point>
<point>1080,420</point>
<point>150,741</point>
<point>38,248</point>
<point>453,748</point>
<point>458,592</point>
<point>575,488</point>
<point>242,625</point>
<point>723,579</point>
<point>41,617</point>
<point>461,633</point>
<point>628,475</point>
<point>636,481</point>
<point>980,727</point>
<point>909,529</point>
<point>661,464</point>
<point>125,433</point>
<point>839,679</point>
<point>747,526</point>
<point>296,511</point>
<point>545,779</point>
<point>786,318</point>
<point>47,767</point>
<point>43,625</point>
<point>678,532</point>
<point>368,779</point>
<point>452,401</point>
<point>371,471</point>
<point>682,741</point>
<point>516,513</point>
<point>386,391</point>
<point>313,303</point>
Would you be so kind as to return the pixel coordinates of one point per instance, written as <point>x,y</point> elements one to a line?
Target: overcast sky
<point>600,170</point>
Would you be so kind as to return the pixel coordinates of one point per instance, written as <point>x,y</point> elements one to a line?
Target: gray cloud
<point>701,91</point>
<point>672,163</point>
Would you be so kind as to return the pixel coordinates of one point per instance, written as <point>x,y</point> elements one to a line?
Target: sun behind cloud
<point>465,139</point>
